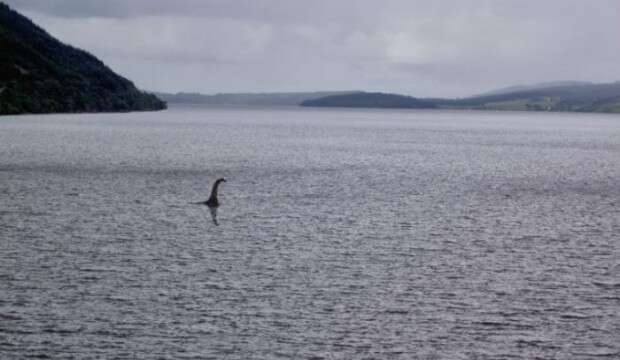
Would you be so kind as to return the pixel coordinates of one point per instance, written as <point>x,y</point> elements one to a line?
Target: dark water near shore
<point>343,235</point>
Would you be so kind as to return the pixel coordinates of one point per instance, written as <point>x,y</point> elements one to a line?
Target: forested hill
<point>39,74</point>
<point>371,100</point>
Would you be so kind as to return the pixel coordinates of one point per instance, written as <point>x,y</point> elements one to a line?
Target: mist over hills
<point>40,74</point>
<point>243,99</point>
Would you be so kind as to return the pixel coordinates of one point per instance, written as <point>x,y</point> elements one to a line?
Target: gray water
<point>343,234</point>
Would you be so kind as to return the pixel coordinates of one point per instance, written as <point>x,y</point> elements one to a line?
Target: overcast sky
<point>421,48</point>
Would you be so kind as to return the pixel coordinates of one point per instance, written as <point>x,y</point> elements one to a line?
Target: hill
<point>371,100</point>
<point>519,88</point>
<point>39,74</point>
<point>564,96</point>
<point>261,99</point>
<point>583,97</point>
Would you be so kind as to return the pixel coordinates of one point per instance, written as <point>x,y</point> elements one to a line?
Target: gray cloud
<point>424,48</point>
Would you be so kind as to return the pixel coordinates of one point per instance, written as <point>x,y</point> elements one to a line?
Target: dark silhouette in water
<point>213,203</point>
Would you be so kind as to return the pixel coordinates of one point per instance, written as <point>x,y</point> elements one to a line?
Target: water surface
<point>344,234</point>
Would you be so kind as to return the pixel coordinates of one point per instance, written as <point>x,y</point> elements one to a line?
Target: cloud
<point>424,48</point>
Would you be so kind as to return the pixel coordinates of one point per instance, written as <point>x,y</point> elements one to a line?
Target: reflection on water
<point>213,211</point>
<point>343,234</point>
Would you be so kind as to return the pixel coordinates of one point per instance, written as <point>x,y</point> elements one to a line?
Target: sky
<point>441,48</point>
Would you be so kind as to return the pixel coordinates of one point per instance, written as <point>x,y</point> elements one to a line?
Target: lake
<point>344,234</point>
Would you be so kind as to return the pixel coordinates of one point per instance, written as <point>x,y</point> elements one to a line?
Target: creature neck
<point>214,190</point>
